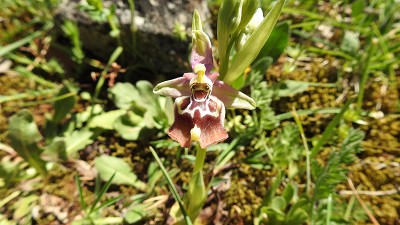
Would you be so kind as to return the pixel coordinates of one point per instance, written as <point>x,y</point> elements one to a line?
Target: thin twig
<point>355,192</point>
<point>370,193</point>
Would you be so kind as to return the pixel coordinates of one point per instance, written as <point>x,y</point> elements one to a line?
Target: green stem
<point>200,158</point>
<point>133,26</point>
<point>224,64</point>
<point>117,52</point>
<point>197,191</point>
<point>304,139</point>
<point>364,75</point>
<point>103,74</point>
<point>329,210</point>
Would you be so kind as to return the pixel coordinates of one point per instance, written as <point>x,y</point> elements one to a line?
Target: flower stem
<point>197,191</point>
<point>200,158</point>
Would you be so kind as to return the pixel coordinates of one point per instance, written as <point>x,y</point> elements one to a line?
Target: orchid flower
<point>201,99</point>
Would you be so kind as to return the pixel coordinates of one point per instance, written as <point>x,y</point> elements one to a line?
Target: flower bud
<point>247,11</point>
<point>201,50</point>
<point>255,21</point>
<point>240,41</point>
<point>196,23</point>
<point>229,17</point>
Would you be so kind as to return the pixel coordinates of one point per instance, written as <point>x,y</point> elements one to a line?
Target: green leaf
<point>77,141</point>
<point>106,120</point>
<point>24,206</point>
<point>277,42</point>
<point>357,8</point>
<point>228,21</point>
<point>65,103</point>
<point>132,127</point>
<point>277,180</point>
<point>334,172</point>
<point>272,216</point>
<point>11,47</point>
<point>172,188</point>
<point>196,195</point>
<point>100,193</point>
<point>24,136</point>
<point>328,133</point>
<point>279,203</point>
<point>123,94</point>
<point>289,192</point>
<point>249,7</point>
<point>135,214</point>
<point>80,191</point>
<point>253,45</point>
<point>297,214</point>
<point>145,109</point>
<point>8,198</point>
<point>108,165</point>
<point>56,150</point>
<point>350,43</point>
<point>291,87</point>
<point>296,217</point>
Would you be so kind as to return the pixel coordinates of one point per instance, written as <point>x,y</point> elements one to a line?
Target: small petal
<point>231,97</point>
<point>213,76</point>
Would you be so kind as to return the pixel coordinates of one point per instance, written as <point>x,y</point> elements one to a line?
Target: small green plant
<point>92,212</point>
<point>98,12</point>
<point>294,207</point>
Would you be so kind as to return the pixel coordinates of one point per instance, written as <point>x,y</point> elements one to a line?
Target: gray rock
<point>157,50</point>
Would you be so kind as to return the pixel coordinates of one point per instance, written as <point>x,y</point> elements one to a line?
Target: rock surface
<point>157,48</point>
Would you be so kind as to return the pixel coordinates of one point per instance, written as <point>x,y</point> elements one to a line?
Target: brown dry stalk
<point>370,193</point>
<point>355,192</point>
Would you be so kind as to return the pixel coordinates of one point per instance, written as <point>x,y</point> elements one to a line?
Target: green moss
<point>244,197</point>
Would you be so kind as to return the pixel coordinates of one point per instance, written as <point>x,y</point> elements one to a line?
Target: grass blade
<point>80,190</point>
<point>289,115</point>
<point>329,130</point>
<point>108,202</point>
<point>11,47</point>
<point>101,193</point>
<point>114,56</point>
<point>172,187</point>
<point>304,139</point>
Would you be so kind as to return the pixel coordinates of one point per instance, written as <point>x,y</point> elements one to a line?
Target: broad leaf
<point>132,127</point>
<point>24,206</point>
<point>277,42</point>
<point>106,120</point>
<point>66,100</point>
<point>291,87</point>
<point>24,136</point>
<point>77,141</point>
<point>108,165</point>
<point>123,94</point>
<point>135,214</point>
